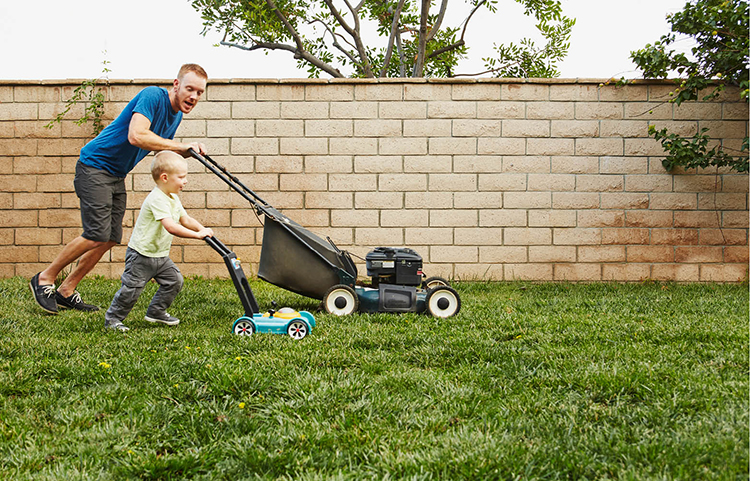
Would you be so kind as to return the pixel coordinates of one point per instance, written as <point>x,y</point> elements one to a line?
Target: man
<point>148,123</point>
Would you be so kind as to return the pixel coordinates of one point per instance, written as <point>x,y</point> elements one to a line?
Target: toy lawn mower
<point>298,260</point>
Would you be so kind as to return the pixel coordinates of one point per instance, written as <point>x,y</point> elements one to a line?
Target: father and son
<point>147,124</point>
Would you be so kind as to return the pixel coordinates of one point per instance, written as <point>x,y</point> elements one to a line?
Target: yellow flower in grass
<point>105,365</point>
<point>242,405</point>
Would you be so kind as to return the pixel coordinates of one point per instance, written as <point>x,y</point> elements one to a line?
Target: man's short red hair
<point>192,67</point>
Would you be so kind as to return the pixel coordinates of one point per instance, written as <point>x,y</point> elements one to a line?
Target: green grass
<point>529,381</point>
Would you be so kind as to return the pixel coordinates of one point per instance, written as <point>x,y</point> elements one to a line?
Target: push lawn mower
<point>298,260</point>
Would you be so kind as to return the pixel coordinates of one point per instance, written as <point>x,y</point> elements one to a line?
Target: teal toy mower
<point>300,261</point>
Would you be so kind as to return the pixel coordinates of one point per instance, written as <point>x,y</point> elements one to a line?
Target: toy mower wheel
<point>341,300</point>
<point>297,330</point>
<point>431,282</point>
<point>443,301</point>
<point>243,327</point>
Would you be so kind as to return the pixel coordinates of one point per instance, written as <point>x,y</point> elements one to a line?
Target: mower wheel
<point>243,327</point>
<point>341,300</point>
<point>297,329</point>
<point>431,282</point>
<point>443,301</point>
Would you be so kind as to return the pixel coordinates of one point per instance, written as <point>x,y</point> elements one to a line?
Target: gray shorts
<point>103,200</point>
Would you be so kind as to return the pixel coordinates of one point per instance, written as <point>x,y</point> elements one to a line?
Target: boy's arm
<point>191,230</point>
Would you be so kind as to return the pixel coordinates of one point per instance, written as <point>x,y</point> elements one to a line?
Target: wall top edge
<point>338,81</point>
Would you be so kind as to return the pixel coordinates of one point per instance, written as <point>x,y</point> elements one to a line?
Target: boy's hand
<point>205,232</point>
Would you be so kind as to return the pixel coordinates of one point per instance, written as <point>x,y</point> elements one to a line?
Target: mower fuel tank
<point>394,265</point>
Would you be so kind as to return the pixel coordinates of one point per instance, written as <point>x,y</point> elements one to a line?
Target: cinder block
<point>735,219</point>
<point>454,254</point>
<point>722,201</point>
<point>355,218</point>
<point>256,110</point>
<point>599,183</point>
<point>574,165</point>
<point>575,128</point>
<point>551,182</point>
<point>450,110</point>
<point>673,201</point>
<point>527,236</point>
<point>599,111</point>
<point>427,92</point>
<point>647,218</point>
<point>527,200</point>
<point>328,200</point>
<point>500,110</point>
<point>427,163</point>
<point>402,182</point>
<point>54,218</point>
<point>735,183</point>
<point>211,110</point>
<point>303,182</point>
<point>275,164</point>
<point>37,236</point>
<point>524,92</point>
<point>454,218</point>
<point>697,219</point>
<point>684,128</point>
<point>648,111</point>
<point>502,182</point>
<point>526,128</point>
<point>477,163</point>
<point>317,93</point>
<point>403,110</point>
<point>428,200</point>
<point>552,254</point>
<point>478,236</point>
<point>734,111</point>
<point>552,218</point>
<point>452,146</point>
<point>725,129</point>
<point>381,128</point>
<point>237,128</point>
<point>674,237</point>
<point>304,110</point>
<point>625,272</point>
<point>19,111</point>
<point>649,183</point>
<point>280,92</point>
<point>503,218</point>
<point>477,128</point>
<point>504,254</point>
<point>724,273</point>
<point>625,236</point>
<point>675,272</point>
<point>724,237</point>
<point>601,218</point>
<point>624,128</point>
<point>526,164</point>
<point>352,182</point>
<point>550,110</point>
<point>625,93</point>
<point>328,164</point>
<point>575,200</point>
<point>303,146</point>
<point>255,146</point>
<point>576,236</point>
<point>528,272</point>
<point>377,92</point>
<point>379,200</point>
<point>476,92</point>
<point>601,254</point>
<point>452,182</point>
<point>577,92</point>
<point>501,146</point>
<point>329,128</point>
<point>478,200</point>
<point>378,163</point>
<point>36,94</point>
<point>379,236</point>
<point>229,92</point>
<point>736,254</point>
<point>19,147</point>
<point>427,128</point>
<point>577,272</point>
<point>602,147</point>
<point>429,235</point>
<point>354,110</point>
<point>404,218</point>
<point>550,146</point>
<point>402,146</point>
<point>650,254</point>
<point>698,255</point>
<point>358,146</point>
<point>621,200</point>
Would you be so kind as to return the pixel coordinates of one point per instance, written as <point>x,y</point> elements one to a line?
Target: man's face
<point>188,91</point>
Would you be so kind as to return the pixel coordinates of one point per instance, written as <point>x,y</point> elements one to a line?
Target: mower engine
<point>394,265</point>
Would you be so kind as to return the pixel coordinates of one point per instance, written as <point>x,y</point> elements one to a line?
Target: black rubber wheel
<point>443,301</point>
<point>341,300</point>
<point>435,281</point>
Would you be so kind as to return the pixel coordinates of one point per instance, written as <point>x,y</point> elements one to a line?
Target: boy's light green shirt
<point>149,237</point>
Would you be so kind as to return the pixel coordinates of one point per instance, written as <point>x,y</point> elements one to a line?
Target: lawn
<point>529,381</point>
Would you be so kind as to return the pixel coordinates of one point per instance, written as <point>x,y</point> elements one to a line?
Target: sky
<point>150,39</point>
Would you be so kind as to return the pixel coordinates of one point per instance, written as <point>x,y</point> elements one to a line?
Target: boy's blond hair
<point>166,161</point>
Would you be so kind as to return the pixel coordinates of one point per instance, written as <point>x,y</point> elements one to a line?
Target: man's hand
<point>197,146</point>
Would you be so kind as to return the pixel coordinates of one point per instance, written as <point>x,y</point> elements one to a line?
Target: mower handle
<point>228,178</point>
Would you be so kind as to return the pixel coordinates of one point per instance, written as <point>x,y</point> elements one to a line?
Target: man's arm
<point>141,136</point>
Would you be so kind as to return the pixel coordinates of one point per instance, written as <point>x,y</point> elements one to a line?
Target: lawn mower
<point>300,261</point>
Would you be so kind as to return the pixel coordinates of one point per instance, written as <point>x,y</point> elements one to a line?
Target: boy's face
<point>175,180</point>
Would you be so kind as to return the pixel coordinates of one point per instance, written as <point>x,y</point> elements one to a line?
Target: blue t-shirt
<point>111,151</point>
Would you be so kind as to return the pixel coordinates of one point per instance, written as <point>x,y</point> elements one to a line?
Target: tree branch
<point>392,38</point>
<point>419,64</point>
<point>439,21</point>
<point>354,32</point>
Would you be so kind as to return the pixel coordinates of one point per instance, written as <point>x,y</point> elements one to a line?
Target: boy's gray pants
<point>140,269</point>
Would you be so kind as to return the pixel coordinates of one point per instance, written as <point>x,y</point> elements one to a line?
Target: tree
<point>720,59</point>
<point>383,38</point>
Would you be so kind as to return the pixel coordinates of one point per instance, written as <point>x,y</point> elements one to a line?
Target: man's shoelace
<point>48,291</point>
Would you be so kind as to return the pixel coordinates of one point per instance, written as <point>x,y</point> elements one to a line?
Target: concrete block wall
<point>492,179</point>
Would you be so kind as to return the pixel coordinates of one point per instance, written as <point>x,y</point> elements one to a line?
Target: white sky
<point>59,39</point>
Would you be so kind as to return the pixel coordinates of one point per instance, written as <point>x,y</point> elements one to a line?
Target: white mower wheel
<point>431,282</point>
<point>341,300</point>
<point>297,329</point>
<point>443,301</point>
<point>243,327</point>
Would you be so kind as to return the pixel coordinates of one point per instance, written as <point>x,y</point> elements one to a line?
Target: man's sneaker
<point>44,295</point>
<point>118,326</point>
<point>74,302</point>
<point>163,319</point>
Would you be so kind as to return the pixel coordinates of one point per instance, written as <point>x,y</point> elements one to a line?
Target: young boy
<point>147,257</point>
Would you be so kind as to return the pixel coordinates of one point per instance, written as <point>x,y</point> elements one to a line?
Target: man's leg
<point>85,265</point>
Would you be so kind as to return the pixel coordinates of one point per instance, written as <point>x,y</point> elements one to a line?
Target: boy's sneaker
<point>163,319</point>
<point>118,326</point>
<point>44,295</point>
<point>74,301</point>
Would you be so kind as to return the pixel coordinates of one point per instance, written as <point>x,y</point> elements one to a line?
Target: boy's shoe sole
<point>170,321</point>
<point>44,295</point>
<point>120,327</point>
